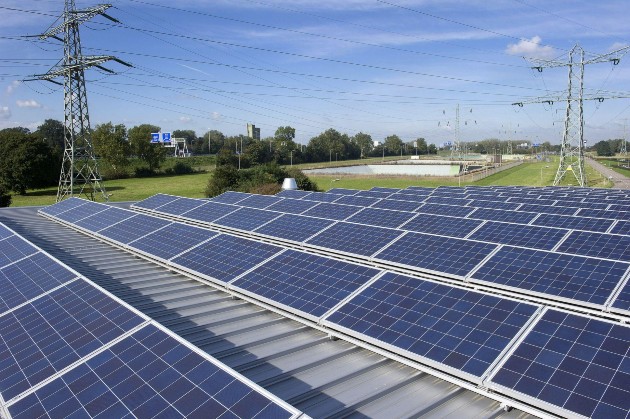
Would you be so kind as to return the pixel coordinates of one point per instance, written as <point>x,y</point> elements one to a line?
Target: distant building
<point>253,132</point>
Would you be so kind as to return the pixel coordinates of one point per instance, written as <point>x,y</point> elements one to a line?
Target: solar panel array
<point>436,314</point>
<point>70,349</point>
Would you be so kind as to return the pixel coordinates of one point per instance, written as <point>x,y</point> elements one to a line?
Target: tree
<point>432,149</point>
<point>603,149</point>
<point>213,141</point>
<point>189,135</point>
<point>285,134</point>
<point>331,145</point>
<point>111,145</point>
<point>364,142</point>
<point>392,144</point>
<point>140,141</point>
<point>421,144</point>
<point>52,131</point>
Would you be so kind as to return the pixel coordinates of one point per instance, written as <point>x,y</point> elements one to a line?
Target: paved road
<point>620,181</point>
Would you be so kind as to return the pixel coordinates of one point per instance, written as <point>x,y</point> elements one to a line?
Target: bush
<point>303,182</point>
<point>143,172</point>
<point>5,197</point>
<point>224,179</point>
<point>182,168</point>
<point>265,189</point>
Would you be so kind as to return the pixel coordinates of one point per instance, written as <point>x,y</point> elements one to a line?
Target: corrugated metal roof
<point>320,376</point>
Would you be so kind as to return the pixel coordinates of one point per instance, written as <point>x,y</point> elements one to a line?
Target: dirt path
<point>619,181</point>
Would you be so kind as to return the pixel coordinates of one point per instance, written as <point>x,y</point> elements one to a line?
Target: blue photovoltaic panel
<point>382,189</point>
<point>417,199</point>
<point>617,207</point>
<point>28,278</point>
<point>343,191</point>
<point>434,253</point>
<point>442,225</point>
<point>47,335</point>
<point>5,232</point>
<point>573,223</point>
<point>622,301</point>
<point>622,227</point>
<point>606,246</point>
<point>360,201</point>
<point>452,210</point>
<point>332,211</point>
<point>462,329</point>
<point>247,219</point>
<point>321,197</point>
<point>104,219</point>
<point>210,211</point>
<point>292,206</point>
<point>576,363</point>
<point>418,189</point>
<point>531,199</point>
<point>133,228</point>
<point>62,206</point>
<point>292,193</point>
<point>610,215</point>
<point>354,238</point>
<point>507,206</point>
<point>546,209</point>
<point>180,206</point>
<point>155,201</point>
<point>447,200</point>
<point>14,248</point>
<point>294,227</point>
<point>230,197</point>
<point>381,217</point>
<point>575,277</point>
<point>544,238</point>
<point>517,217</point>
<point>259,201</point>
<point>172,240</point>
<point>372,193</point>
<point>394,204</point>
<point>82,211</point>
<point>148,374</point>
<point>225,257</point>
<point>305,282</point>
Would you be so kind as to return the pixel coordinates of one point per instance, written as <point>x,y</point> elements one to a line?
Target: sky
<point>380,67</point>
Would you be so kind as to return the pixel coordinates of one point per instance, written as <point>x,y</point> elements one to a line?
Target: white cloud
<point>531,48</point>
<point>28,103</point>
<point>216,115</point>
<point>185,119</point>
<point>11,87</point>
<point>5,112</point>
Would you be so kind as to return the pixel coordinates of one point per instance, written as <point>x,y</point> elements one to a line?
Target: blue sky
<point>376,66</point>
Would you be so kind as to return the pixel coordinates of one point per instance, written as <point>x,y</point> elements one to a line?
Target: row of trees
<point>609,147</point>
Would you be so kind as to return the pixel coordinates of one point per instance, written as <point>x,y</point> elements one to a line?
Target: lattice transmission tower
<point>572,151</point>
<point>79,169</point>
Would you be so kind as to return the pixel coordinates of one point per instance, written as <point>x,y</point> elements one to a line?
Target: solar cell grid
<point>411,197</point>
<point>62,206</point>
<point>354,238</point>
<point>361,201</point>
<point>259,201</point>
<point>517,217</point>
<point>133,228</point>
<point>610,215</point>
<point>292,206</point>
<point>230,197</point>
<point>546,209</point>
<point>321,197</point>
<point>247,219</point>
<point>618,207</point>
<point>381,189</point>
<point>296,228</point>
<point>52,332</point>
<point>622,227</point>
<point>574,277</point>
<point>28,278</point>
<point>295,194</point>
<point>81,211</point>
<point>445,200</point>
<point>5,232</point>
<point>210,211</point>
<point>452,210</point>
<point>605,246</point>
<point>104,219</point>
<point>375,194</point>
<point>180,206</point>
<point>461,329</point>
<point>308,283</point>
<point>342,191</point>
<point>578,204</point>
<point>572,222</point>
<point>508,206</point>
<point>438,254</point>
<point>544,238</point>
<point>14,248</point>
<point>172,240</point>
<point>441,225</point>
<point>394,204</point>
<point>381,217</point>
<point>225,257</point>
<point>155,201</point>
<point>532,199</point>
<point>332,211</point>
<point>573,362</point>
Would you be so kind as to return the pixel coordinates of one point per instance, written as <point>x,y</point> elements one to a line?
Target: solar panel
<point>437,254</point>
<point>573,223</point>
<point>172,240</point>
<point>552,274</point>
<point>155,201</point>
<point>500,215</point>
<point>56,330</point>
<point>292,206</point>
<point>622,227</point>
<point>293,193</point>
<point>413,191</point>
<point>247,219</point>
<point>81,211</point>
<point>617,207</point>
<point>447,200</point>
<point>230,197</point>
<point>321,197</point>
<point>610,215</point>
<point>546,209</point>
<point>62,206</point>
<point>104,219</point>
<point>573,362</point>
<point>148,374</point>
<point>456,328</point>
<point>376,193</point>
<point>410,197</point>
<point>28,278</point>
<point>210,211</point>
<point>360,201</point>
<point>381,217</point>
<point>332,211</point>
<point>544,238</point>
<point>394,204</point>
<point>259,201</point>
<point>225,257</point>
<point>381,189</point>
<point>304,282</point>
<point>606,246</point>
<point>296,228</point>
<point>531,199</point>
<point>14,248</point>
<point>5,232</point>
<point>342,191</point>
<point>452,210</point>
<point>180,206</point>
<point>507,206</point>
<point>354,238</point>
<point>442,225</point>
<point>133,228</point>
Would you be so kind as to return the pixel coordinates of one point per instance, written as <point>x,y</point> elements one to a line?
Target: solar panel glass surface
<point>381,217</point>
<point>172,240</point>
<point>459,328</point>
<point>155,201</point>
<point>332,211</point>
<point>600,245</point>
<point>573,223</point>
<point>435,253</point>
<point>259,201</point>
<point>375,194</point>
<point>354,238</point>
<point>104,219</point>
<point>342,191</point>
<point>361,201</point>
<point>448,200</point>
<point>4,232</point>
<point>394,204</point>
<point>210,211</point>
<point>321,197</point>
<point>452,210</point>
<point>610,215</point>
<point>294,227</point>
<point>14,248</point>
<point>230,197</point>
<point>82,211</point>
<point>622,227</point>
<point>442,225</point>
<point>519,235</point>
<point>410,197</point>
<point>546,209</point>
<point>305,282</point>
<point>133,228</point>
<point>292,206</point>
<point>62,206</point>
<point>180,206</point>
<point>295,194</point>
<point>247,219</point>
<point>517,217</point>
<point>507,206</point>
<point>576,363</point>
<point>381,189</point>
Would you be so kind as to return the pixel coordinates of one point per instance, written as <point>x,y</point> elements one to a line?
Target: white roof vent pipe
<point>289,184</point>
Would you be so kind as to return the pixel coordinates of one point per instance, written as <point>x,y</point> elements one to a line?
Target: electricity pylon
<point>572,152</point>
<point>79,169</point>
